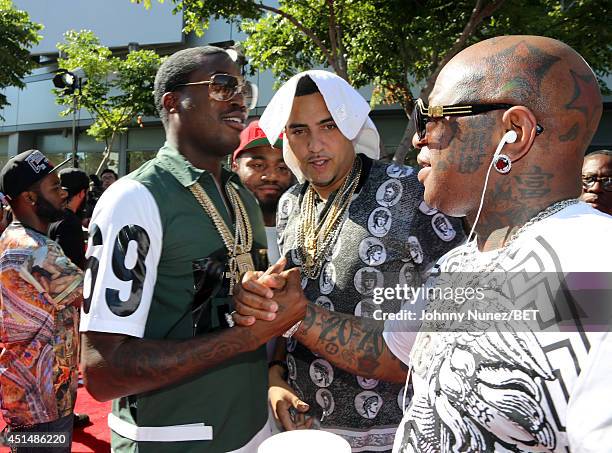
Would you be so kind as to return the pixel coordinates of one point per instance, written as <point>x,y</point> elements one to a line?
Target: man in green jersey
<point>167,244</point>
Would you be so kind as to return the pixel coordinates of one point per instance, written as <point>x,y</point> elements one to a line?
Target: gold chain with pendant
<point>239,244</point>
<point>315,239</point>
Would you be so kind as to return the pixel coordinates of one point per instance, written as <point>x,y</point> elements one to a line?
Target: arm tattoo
<point>117,365</point>
<point>352,343</point>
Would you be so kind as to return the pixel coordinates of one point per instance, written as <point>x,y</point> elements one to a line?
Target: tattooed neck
<point>513,203</point>
<point>494,227</point>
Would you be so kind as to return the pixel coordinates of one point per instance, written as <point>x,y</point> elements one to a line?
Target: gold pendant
<point>311,243</point>
<point>309,260</point>
<point>245,263</point>
<point>239,265</point>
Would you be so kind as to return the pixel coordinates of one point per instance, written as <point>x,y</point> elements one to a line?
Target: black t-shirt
<point>68,233</point>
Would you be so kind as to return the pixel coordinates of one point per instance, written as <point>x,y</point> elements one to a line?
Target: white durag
<point>347,107</point>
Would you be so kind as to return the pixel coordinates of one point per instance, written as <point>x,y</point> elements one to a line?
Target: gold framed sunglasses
<point>223,87</point>
<point>422,114</point>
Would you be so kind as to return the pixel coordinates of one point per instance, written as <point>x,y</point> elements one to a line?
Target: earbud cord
<point>406,388</point>
<point>484,188</point>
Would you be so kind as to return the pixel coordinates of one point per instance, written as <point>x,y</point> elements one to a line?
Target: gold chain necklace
<point>314,240</point>
<point>239,244</point>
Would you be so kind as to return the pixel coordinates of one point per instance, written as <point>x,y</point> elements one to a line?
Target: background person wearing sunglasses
<point>146,341</point>
<point>597,180</point>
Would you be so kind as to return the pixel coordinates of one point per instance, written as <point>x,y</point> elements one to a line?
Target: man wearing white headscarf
<point>346,202</point>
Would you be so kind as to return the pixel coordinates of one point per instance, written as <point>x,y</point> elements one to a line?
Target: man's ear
<point>171,102</point>
<point>521,120</point>
<point>29,197</point>
<point>235,166</point>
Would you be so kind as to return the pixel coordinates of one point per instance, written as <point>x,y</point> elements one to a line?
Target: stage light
<point>71,83</point>
<point>68,81</point>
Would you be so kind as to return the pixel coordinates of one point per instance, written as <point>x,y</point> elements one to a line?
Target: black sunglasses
<point>421,114</point>
<point>589,181</point>
<point>223,87</point>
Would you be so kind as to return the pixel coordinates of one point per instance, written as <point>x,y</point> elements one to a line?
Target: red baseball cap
<point>253,136</point>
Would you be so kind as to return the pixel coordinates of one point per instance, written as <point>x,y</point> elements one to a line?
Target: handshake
<point>275,296</point>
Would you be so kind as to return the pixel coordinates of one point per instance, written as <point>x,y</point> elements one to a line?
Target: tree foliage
<point>116,91</point>
<point>398,46</point>
<point>196,13</point>
<point>17,35</point>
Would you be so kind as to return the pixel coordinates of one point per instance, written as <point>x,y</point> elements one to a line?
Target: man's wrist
<point>279,369</point>
<point>300,327</point>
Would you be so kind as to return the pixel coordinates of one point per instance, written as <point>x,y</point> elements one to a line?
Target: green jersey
<point>146,233</point>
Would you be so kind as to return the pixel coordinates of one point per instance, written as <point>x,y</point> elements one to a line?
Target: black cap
<point>73,180</point>
<point>23,170</point>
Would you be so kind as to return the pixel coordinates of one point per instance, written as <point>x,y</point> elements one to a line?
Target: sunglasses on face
<point>589,181</point>
<point>422,114</point>
<point>224,87</point>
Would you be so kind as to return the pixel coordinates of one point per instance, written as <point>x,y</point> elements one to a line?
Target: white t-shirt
<point>273,257</point>
<point>272,237</point>
<point>521,391</point>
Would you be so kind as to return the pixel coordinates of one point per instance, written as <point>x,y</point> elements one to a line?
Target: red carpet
<point>93,438</point>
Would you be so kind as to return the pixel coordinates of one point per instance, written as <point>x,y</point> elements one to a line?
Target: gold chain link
<point>241,241</point>
<point>314,239</point>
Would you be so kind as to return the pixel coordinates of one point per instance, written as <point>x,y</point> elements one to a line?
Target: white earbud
<point>509,137</point>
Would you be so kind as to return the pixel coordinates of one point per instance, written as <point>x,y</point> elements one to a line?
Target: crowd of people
<point>216,305</point>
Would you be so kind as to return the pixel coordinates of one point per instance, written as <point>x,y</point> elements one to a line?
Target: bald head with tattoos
<point>497,385</point>
<point>553,104</point>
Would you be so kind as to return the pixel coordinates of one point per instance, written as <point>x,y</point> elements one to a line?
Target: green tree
<point>116,91</point>
<point>17,35</point>
<point>397,46</point>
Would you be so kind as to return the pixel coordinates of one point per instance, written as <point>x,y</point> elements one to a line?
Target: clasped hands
<point>275,295</point>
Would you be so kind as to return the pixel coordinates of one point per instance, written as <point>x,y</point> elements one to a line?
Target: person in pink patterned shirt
<point>41,294</point>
